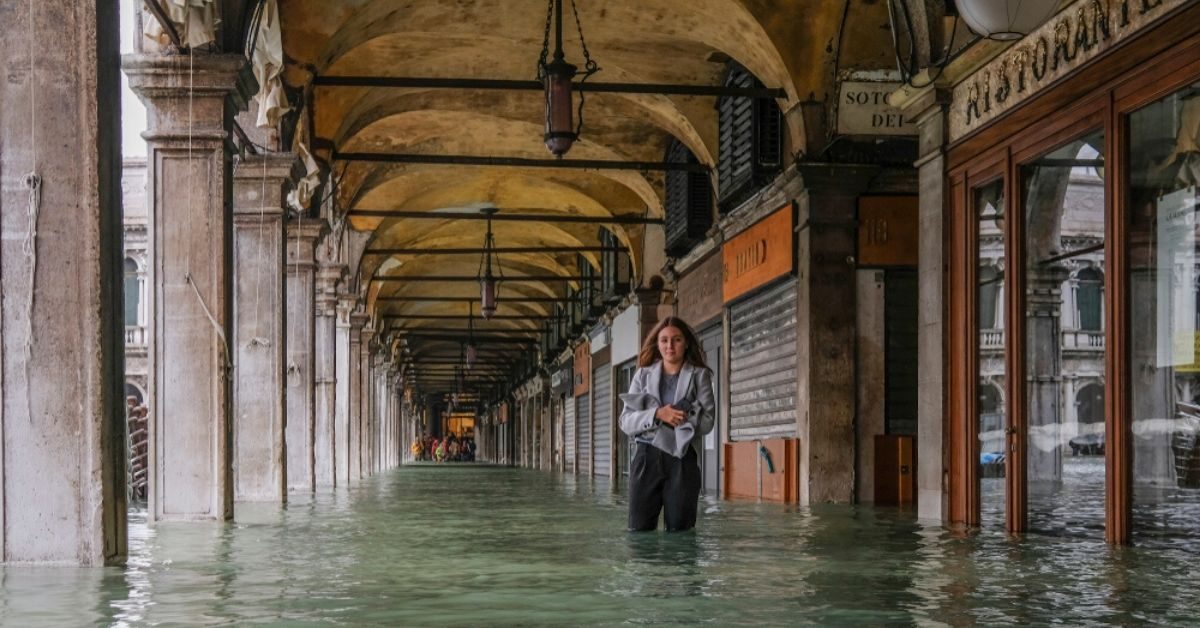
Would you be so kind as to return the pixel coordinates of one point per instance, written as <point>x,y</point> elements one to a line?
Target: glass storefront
<point>1075,273</point>
<point>1164,281</point>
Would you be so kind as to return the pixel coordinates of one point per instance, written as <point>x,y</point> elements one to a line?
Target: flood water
<point>477,546</point>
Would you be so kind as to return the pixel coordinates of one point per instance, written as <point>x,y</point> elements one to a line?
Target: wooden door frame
<point>1101,95</point>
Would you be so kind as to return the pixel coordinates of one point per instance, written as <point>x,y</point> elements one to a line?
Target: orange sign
<point>759,254</point>
<point>887,231</point>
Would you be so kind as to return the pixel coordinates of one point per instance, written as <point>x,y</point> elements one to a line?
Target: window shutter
<point>689,203</point>
<point>750,141</point>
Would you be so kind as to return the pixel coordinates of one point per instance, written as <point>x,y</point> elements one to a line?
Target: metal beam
<point>463,317</point>
<point>463,330</point>
<point>498,250</point>
<point>662,89</point>
<point>523,217</point>
<point>472,278</point>
<point>520,162</point>
<point>482,340</point>
<point>501,300</point>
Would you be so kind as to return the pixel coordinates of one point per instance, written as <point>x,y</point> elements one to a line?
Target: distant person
<point>417,448</point>
<point>670,404</point>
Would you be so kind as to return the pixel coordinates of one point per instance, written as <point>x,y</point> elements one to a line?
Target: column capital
<point>358,320</point>
<point>302,234</point>
<point>259,181</point>
<point>328,277</point>
<point>346,303</point>
<point>172,86</point>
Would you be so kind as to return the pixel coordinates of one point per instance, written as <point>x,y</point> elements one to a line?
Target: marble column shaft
<point>190,101</point>
<point>325,354</point>
<point>62,407</point>
<point>341,428</point>
<point>357,321</point>
<point>301,417</point>
<point>259,322</point>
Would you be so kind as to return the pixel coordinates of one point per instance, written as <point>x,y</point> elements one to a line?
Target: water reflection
<point>483,546</point>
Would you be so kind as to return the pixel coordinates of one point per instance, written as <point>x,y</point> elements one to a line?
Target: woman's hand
<point>670,415</point>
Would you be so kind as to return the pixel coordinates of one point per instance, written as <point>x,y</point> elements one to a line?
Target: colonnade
<point>268,378</point>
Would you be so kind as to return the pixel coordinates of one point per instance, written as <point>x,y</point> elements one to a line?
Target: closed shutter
<point>584,430</point>
<point>602,421</point>
<point>569,428</point>
<point>762,364</point>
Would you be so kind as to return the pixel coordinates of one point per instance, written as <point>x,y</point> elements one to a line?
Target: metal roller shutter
<point>762,364</point>
<point>583,428</point>
<point>569,429</point>
<point>602,421</point>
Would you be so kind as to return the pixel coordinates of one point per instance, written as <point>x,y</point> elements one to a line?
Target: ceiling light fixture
<point>556,76</point>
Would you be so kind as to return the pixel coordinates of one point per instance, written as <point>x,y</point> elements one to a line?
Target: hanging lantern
<point>488,283</point>
<point>1005,20</point>
<point>556,76</point>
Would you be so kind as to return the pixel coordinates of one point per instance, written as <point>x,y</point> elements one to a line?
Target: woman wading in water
<point>670,404</point>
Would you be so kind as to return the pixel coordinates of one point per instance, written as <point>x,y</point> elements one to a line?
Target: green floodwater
<point>468,545</point>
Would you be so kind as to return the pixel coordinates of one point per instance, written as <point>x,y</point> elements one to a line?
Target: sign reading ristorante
<point>1078,34</point>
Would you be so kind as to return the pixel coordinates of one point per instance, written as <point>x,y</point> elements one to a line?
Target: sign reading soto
<point>863,109</point>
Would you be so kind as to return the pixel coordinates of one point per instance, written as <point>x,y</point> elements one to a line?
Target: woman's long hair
<point>693,354</point>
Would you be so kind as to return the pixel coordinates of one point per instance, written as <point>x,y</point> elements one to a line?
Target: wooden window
<point>750,141</point>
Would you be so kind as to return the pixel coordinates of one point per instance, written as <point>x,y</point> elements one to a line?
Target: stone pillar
<point>366,399</point>
<point>62,406</point>
<point>825,329</point>
<point>341,424</point>
<point>325,354</point>
<point>259,321</point>
<point>301,465</point>
<point>356,399</point>
<point>1043,328</point>
<point>928,110</point>
<point>190,102</point>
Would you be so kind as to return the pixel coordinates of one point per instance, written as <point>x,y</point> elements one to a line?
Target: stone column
<point>1043,328</point>
<point>355,398</point>
<point>825,329</point>
<point>259,399</point>
<point>341,424</point>
<point>928,110</point>
<point>366,400</point>
<point>301,465</point>
<point>190,102</point>
<point>325,354</point>
<point>62,406</point>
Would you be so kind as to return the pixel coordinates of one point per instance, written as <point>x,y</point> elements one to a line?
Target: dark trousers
<point>660,481</point>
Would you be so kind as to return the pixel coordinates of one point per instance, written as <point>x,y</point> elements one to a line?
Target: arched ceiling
<point>796,45</point>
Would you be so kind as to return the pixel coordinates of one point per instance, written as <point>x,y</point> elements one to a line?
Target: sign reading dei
<point>863,109</point>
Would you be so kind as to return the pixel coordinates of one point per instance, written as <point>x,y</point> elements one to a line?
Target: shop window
<point>688,202</point>
<point>750,136</point>
<point>1089,299</point>
<point>988,207</point>
<point>1164,364</point>
<point>132,293</point>
<point>1063,227</point>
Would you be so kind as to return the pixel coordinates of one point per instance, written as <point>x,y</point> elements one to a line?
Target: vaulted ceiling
<point>796,45</point>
